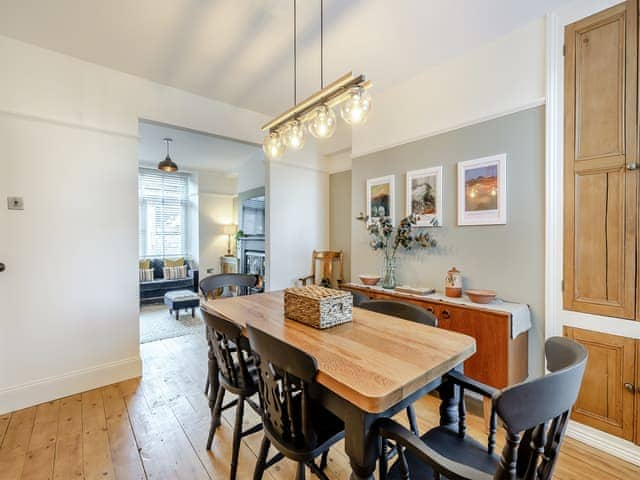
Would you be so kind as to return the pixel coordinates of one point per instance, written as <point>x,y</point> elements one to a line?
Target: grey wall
<point>340,216</point>
<point>506,258</point>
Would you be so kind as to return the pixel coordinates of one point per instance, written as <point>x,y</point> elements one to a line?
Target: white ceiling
<point>192,150</point>
<point>240,51</point>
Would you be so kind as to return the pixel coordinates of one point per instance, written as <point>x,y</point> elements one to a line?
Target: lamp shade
<point>230,229</point>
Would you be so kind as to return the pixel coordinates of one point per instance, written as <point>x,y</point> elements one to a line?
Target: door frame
<point>555,315</point>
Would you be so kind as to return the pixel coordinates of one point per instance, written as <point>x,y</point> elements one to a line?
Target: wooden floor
<point>156,427</point>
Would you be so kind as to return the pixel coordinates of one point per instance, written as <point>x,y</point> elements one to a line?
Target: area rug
<point>157,324</point>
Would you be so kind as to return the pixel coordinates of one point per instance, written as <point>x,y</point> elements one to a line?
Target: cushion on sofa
<point>174,263</point>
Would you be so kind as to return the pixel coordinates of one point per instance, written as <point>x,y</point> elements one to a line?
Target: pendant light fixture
<point>167,164</point>
<point>316,112</point>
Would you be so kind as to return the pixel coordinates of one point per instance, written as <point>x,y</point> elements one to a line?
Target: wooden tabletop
<point>374,361</point>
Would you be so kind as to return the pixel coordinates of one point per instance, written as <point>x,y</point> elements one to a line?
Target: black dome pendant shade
<point>167,164</point>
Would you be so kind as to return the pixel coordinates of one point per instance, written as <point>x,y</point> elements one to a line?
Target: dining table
<point>369,368</point>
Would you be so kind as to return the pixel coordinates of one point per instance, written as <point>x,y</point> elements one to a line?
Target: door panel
<point>600,140</point>
<point>604,401</point>
<point>599,97</point>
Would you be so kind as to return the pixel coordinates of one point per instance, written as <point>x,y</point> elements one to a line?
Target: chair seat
<point>327,428</point>
<point>446,442</point>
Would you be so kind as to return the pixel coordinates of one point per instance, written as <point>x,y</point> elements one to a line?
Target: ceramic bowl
<point>370,280</point>
<point>481,296</point>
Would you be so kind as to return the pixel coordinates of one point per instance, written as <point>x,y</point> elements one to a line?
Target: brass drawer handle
<point>630,387</point>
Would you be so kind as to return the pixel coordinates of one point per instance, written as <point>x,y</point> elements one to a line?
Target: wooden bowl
<point>481,296</point>
<point>370,280</point>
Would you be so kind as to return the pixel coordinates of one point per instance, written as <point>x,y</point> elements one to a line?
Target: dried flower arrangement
<point>383,237</point>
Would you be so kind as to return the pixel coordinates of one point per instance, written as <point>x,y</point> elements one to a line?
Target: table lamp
<point>229,230</point>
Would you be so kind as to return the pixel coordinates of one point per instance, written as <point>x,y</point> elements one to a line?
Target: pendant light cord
<point>321,44</point>
<point>295,53</point>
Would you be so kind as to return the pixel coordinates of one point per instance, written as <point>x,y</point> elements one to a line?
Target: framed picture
<point>482,191</point>
<point>424,196</point>
<point>380,197</point>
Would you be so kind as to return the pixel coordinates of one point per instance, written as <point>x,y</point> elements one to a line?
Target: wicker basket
<point>318,307</point>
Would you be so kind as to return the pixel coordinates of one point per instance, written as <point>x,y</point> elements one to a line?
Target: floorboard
<point>156,427</point>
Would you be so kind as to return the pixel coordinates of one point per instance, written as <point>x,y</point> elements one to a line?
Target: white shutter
<point>164,200</point>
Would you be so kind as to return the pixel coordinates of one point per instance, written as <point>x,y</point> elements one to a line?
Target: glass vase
<point>389,273</point>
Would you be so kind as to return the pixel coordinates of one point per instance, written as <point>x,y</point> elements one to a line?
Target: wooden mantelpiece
<point>499,360</point>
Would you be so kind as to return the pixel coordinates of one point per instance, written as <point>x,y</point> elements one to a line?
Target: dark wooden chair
<point>413,313</point>
<point>237,374</point>
<point>535,415</point>
<point>298,427</point>
<point>220,286</point>
<point>358,298</point>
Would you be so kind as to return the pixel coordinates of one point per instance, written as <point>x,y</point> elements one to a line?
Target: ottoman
<point>181,300</point>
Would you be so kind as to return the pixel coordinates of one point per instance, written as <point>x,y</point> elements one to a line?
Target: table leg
<point>361,443</point>
<point>178,314</point>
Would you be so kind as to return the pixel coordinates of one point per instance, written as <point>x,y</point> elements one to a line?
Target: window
<point>163,204</point>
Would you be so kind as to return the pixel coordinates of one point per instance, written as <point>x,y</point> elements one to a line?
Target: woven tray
<point>318,307</point>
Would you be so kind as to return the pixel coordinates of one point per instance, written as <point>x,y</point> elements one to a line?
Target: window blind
<point>163,204</point>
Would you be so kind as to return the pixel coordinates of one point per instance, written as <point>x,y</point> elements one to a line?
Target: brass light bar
<point>332,94</point>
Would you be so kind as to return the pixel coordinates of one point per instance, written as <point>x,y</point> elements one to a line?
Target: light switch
<point>15,203</point>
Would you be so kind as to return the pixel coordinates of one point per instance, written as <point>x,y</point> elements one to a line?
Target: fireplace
<point>254,262</point>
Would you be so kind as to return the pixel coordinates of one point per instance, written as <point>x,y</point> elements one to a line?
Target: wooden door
<point>637,392</point>
<point>606,402</point>
<point>600,157</point>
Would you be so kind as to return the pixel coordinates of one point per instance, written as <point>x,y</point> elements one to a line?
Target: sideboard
<point>499,361</point>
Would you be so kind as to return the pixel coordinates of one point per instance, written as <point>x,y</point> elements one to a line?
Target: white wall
<point>501,77</point>
<point>251,173</point>
<point>215,211</point>
<point>210,181</point>
<point>297,219</point>
<point>69,297</point>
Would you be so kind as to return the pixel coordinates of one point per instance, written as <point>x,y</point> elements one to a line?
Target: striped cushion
<point>175,273</point>
<point>146,274</point>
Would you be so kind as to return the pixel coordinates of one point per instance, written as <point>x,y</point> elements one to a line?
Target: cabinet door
<point>600,142</point>
<point>604,401</point>
<point>491,361</point>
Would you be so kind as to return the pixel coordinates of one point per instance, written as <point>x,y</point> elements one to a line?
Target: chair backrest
<point>217,285</point>
<point>404,310</point>
<point>286,379</point>
<point>327,258</point>
<point>358,298</point>
<point>231,350</point>
<point>535,413</point>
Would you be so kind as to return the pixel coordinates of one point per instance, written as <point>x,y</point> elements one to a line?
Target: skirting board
<point>610,444</point>
<point>47,389</point>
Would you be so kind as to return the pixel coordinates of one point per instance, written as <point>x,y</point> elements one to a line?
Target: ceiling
<point>240,51</point>
<point>192,150</point>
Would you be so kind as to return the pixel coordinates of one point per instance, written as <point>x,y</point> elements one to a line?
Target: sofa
<point>153,291</point>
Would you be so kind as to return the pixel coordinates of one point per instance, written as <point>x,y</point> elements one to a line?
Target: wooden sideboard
<point>499,360</point>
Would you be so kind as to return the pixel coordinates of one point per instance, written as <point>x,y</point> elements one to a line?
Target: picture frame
<point>424,196</point>
<point>482,191</point>
<point>381,197</point>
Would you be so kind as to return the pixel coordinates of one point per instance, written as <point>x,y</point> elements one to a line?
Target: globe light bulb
<point>294,135</point>
<point>323,122</point>
<point>355,109</point>
<point>272,146</point>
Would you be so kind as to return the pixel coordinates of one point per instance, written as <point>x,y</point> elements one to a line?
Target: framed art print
<point>424,196</point>
<point>380,197</point>
<point>482,191</point>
